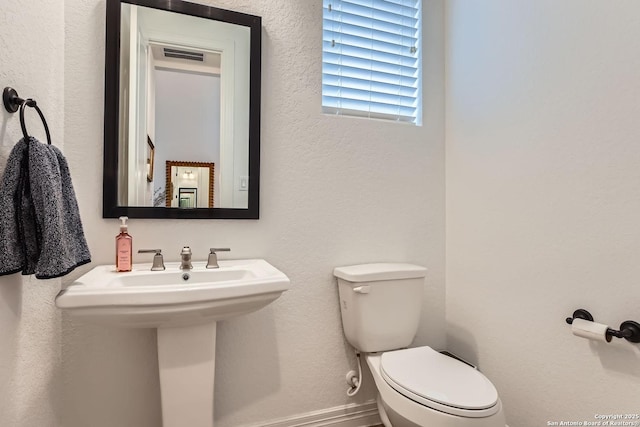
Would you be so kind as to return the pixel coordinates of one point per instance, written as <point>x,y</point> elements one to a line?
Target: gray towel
<point>12,243</point>
<point>41,229</point>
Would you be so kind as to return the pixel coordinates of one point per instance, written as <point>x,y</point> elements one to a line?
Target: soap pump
<point>124,247</point>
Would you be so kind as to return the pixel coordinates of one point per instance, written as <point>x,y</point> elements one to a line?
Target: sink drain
<point>185,276</point>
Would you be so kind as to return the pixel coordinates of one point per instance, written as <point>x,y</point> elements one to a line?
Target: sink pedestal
<point>186,358</point>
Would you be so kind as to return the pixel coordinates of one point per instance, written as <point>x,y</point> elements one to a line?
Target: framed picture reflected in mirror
<point>150,154</point>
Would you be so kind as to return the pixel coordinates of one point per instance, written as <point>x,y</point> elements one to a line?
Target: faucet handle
<point>214,250</point>
<point>212,262</point>
<point>158,261</point>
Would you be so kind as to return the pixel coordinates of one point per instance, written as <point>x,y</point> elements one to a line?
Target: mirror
<point>188,197</point>
<point>194,176</point>
<point>182,111</point>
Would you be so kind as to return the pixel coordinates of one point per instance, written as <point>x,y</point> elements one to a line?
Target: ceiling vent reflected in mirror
<point>183,54</point>
<point>173,57</point>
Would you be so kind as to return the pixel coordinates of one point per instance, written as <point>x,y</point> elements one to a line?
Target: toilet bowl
<point>420,387</point>
<point>380,305</point>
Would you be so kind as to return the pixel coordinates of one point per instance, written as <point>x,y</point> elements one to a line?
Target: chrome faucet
<point>185,264</point>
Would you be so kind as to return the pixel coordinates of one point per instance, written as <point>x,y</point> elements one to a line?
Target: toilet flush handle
<point>362,289</point>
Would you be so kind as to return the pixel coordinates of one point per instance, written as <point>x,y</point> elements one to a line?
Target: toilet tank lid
<point>379,271</point>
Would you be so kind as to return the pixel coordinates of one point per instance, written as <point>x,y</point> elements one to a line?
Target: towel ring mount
<point>12,103</point>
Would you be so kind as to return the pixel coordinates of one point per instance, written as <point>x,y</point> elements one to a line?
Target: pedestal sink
<point>184,306</point>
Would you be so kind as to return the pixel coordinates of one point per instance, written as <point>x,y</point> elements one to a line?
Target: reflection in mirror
<point>188,197</point>
<point>186,89</point>
<point>198,176</point>
<point>178,68</point>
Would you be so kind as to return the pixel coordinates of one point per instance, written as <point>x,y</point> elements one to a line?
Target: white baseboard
<point>353,415</point>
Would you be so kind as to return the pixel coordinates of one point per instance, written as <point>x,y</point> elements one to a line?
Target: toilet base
<point>398,420</point>
<point>382,412</point>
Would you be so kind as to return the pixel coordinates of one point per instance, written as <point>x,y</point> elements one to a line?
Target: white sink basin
<point>152,299</point>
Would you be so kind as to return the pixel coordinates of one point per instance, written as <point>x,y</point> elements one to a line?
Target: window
<point>371,59</point>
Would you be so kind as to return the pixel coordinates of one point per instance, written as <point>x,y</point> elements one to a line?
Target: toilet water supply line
<point>355,381</point>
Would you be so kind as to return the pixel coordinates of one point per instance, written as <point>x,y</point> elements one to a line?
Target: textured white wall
<point>31,44</point>
<point>334,191</point>
<point>543,199</point>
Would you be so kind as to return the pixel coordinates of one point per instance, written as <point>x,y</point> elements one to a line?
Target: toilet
<point>417,387</point>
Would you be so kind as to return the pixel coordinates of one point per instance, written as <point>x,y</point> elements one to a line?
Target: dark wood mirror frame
<point>110,207</point>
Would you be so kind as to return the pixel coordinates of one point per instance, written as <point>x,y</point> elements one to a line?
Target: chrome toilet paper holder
<point>629,329</point>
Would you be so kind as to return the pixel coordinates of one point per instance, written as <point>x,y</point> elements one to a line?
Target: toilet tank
<point>380,304</point>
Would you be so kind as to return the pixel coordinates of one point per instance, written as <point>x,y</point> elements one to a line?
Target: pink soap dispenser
<point>124,247</point>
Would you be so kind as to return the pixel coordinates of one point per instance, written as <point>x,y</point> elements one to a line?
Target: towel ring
<point>12,102</point>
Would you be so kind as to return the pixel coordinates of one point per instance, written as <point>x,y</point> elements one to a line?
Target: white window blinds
<point>371,58</point>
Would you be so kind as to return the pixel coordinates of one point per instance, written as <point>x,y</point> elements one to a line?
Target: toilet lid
<point>426,376</point>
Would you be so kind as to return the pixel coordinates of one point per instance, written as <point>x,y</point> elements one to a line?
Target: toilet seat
<point>439,382</point>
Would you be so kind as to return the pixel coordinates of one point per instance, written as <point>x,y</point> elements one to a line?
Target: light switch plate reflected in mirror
<point>244,183</point>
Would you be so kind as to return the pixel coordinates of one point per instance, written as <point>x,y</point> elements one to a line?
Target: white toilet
<point>417,387</point>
